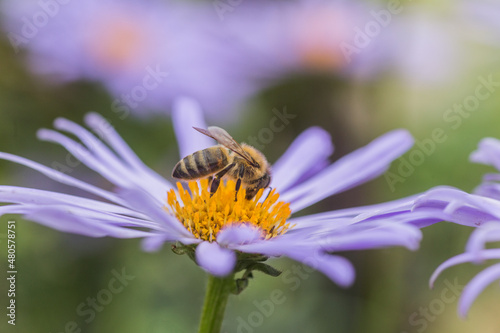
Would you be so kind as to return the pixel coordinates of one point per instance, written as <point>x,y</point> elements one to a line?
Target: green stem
<point>218,290</point>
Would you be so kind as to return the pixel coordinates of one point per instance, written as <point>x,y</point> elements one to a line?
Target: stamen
<point>204,215</point>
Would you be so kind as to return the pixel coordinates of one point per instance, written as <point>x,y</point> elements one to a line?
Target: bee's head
<point>267,178</point>
<point>259,161</point>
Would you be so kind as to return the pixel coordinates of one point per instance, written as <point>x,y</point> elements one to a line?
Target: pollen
<point>204,215</point>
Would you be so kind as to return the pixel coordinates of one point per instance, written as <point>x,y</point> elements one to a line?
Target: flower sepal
<point>181,249</point>
<point>249,263</point>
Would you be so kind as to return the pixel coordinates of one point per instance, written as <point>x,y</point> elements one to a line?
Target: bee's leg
<point>256,185</point>
<point>216,181</point>
<point>238,185</point>
<point>241,173</point>
<point>215,185</point>
<point>251,192</point>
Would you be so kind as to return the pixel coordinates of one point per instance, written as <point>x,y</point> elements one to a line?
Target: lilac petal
<point>487,153</point>
<point>107,133</point>
<point>358,167</point>
<point>461,199</point>
<point>23,195</point>
<point>489,190</point>
<point>476,286</point>
<point>321,226</point>
<point>87,208</point>
<point>418,218</point>
<point>74,224</point>
<point>400,205</point>
<point>491,177</point>
<point>318,222</point>
<point>98,149</point>
<point>460,207</point>
<point>238,234</point>
<point>186,114</point>
<point>72,220</point>
<point>447,196</point>
<point>62,178</point>
<point>341,234</point>
<point>377,236</point>
<point>91,214</point>
<point>154,242</point>
<point>384,231</point>
<point>105,161</point>
<point>113,174</point>
<point>214,259</point>
<point>274,247</point>
<point>373,240</point>
<point>155,183</point>
<point>489,232</point>
<point>463,258</point>
<point>405,216</point>
<point>309,149</point>
<point>423,223</point>
<point>336,268</point>
<point>95,146</point>
<point>362,212</point>
<point>143,202</point>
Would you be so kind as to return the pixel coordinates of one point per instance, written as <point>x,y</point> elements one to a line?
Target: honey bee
<point>242,163</point>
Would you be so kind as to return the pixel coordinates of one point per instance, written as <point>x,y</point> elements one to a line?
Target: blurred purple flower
<point>302,36</point>
<point>138,206</point>
<point>146,53</point>
<point>348,39</point>
<point>481,210</point>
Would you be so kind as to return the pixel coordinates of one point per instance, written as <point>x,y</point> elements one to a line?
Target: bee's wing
<point>226,140</point>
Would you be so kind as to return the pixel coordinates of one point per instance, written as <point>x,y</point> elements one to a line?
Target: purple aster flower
<point>488,153</point>
<point>481,210</point>
<point>145,53</point>
<point>220,233</point>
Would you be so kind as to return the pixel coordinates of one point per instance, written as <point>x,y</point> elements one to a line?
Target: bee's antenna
<point>268,193</point>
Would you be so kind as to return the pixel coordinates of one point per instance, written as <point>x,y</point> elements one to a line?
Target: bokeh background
<point>356,68</point>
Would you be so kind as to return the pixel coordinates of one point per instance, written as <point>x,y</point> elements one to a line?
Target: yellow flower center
<point>204,215</point>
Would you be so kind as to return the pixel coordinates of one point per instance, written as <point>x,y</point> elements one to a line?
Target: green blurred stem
<point>212,315</point>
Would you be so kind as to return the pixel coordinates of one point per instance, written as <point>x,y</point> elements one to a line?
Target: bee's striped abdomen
<point>200,164</point>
